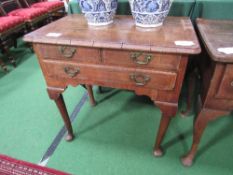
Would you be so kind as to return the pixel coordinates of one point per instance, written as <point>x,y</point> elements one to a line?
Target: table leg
<point>190,94</point>
<point>56,95</point>
<point>9,56</point>
<point>204,116</point>
<point>168,111</point>
<point>91,96</point>
<point>3,66</point>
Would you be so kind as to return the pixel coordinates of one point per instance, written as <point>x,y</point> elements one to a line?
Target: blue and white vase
<point>150,13</point>
<point>98,12</point>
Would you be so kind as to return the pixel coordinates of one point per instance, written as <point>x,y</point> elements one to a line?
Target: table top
<point>217,36</point>
<point>175,36</point>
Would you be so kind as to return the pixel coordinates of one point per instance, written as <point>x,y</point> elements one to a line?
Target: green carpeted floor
<point>115,137</point>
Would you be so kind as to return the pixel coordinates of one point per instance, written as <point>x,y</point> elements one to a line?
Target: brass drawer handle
<point>135,57</point>
<point>140,79</point>
<point>67,51</point>
<point>71,72</point>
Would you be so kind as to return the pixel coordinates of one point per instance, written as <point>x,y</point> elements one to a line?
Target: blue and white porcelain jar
<point>150,13</point>
<point>98,12</point>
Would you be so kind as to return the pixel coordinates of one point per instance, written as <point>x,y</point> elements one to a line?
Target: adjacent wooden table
<point>147,61</point>
<point>216,69</point>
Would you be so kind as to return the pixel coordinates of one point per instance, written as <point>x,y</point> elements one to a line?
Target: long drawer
<point>113,57</point>
<point>128,77</point>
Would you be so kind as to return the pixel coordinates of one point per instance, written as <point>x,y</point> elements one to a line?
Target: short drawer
<point>225,89</point>
<point>78,54</point>
<point>113,76</point>
<point>141,59</point>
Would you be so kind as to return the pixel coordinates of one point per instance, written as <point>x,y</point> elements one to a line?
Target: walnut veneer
<point>120,55</point>
<point>217,78</point>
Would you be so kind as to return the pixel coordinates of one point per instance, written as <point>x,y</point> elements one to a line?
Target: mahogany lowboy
<point>216,69</point>
<point>120,55</point>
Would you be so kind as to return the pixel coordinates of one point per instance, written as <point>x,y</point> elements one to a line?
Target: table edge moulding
<point>150,62</point>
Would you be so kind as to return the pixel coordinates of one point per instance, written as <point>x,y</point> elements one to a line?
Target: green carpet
<point>115,137</point>
<point>28,119</point>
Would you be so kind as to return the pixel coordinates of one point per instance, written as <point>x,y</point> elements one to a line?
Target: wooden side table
<point>150,62</point>
<point>216,67</point>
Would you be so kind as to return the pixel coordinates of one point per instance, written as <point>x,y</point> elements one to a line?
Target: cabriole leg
<point>204,116</point>
<point>90,94</point>
<point>168,111</point>
<point>56,95</point>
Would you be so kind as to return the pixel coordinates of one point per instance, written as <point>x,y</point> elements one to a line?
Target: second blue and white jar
<point>98,12</point>
<point>150,13</point>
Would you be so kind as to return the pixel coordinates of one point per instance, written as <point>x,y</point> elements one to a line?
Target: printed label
<point>53,34</point>
<point>226,50</point>
<point>184,43</point>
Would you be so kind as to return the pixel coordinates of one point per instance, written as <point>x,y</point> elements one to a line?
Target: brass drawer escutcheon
<point>140,79</point>
<point>67,51</point>
<point>135,57</point>
<point>71,72</point>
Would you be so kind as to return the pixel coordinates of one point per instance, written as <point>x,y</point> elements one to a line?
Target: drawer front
<point>114,76</point>
<point>141,59</point>
<point>225,89</point>
<point>78,54</point>
<point>110,57</point>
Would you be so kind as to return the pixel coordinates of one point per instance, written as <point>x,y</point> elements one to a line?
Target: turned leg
<point>100,89</point>
<point>91,96</point>
<point>191,85</point>
<point>191,91</point>
<point>12,60</point>
<point>49,19</point>
<point>3,66</point>
<point>9,56</point>
<point>168,111</point>
<point>32,27</point>
<point>55,94</point>
<point>15,42</point>
<point>204,116</point>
